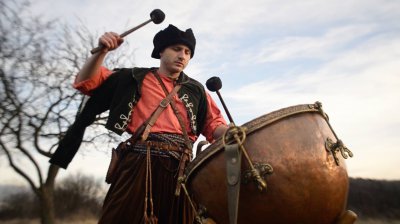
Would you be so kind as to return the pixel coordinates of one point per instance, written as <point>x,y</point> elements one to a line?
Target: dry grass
<point>377,221</point>
<point>94,221</point>
<point>20,221</point>
<point>87,221</point>
<point>37,221</point>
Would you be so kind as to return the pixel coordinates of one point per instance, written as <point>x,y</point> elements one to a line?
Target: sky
<point>270,55</point>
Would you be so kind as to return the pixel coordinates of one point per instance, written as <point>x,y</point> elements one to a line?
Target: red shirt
<point>152,94</point>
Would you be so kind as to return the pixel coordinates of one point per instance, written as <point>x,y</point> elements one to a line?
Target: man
<point>145,186</point>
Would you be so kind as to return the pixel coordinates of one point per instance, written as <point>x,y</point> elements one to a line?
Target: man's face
<point>175,58</point>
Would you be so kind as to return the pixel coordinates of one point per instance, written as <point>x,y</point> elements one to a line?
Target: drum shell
<point>306,185</point>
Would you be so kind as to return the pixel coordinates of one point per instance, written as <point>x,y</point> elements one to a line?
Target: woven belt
<point>160,145</point>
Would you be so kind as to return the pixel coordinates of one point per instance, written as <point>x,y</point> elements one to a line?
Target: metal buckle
<point>164,103</point>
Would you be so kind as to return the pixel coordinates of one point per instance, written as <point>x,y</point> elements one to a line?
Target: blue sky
<point>274,54</point>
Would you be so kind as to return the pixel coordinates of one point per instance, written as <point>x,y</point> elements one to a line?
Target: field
<point>94,221</point>
<point>37,221</point>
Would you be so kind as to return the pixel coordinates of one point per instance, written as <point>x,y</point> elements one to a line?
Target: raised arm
<point>110,41</point>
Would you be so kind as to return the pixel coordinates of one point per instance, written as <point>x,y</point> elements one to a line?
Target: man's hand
<point>110,41</point>
<point>107,42</point>
<point>219,131</point>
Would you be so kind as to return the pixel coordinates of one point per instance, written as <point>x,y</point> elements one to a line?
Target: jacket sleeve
<point>97,103</point>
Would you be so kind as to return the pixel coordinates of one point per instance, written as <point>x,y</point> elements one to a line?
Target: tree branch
<point>17,169</point>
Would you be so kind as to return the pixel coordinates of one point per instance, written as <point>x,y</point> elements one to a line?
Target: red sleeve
<point>96,80</point>
<point>214,119</point>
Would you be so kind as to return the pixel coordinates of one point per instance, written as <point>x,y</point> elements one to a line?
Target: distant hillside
<point>6,190</point>
<point>374,198</point>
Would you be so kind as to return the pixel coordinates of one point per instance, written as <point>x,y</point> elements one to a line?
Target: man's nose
<point>181,54</point>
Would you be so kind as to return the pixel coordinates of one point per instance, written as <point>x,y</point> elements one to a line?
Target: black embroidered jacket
<point>119,93</point>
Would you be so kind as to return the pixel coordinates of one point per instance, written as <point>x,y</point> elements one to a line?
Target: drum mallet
<point>157,16</point>
<point>214,84</point>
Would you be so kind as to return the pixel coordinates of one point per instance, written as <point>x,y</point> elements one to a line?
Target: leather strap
<point>177,114</point>
<point>186,155</point>
<point>233,164</point>
<point>160,145</point>
<point>161,107</point>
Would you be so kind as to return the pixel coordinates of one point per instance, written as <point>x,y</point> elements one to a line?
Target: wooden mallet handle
<point>157,16</point>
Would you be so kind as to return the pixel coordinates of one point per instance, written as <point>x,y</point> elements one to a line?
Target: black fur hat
<point>170,36</point>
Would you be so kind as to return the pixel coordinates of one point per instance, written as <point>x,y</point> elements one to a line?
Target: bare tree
<point>80,195</point>
<point>37,104</point>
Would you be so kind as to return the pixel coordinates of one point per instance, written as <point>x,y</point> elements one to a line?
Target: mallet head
<point>214,84</point>
<point>157,16</point>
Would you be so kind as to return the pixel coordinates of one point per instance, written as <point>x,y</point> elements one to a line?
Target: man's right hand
<point>110,41</point>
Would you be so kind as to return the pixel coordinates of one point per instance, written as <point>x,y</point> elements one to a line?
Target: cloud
<point>366,72</point>
<point>359,90</point>
<point>275,54</point>
<point>320,47</point>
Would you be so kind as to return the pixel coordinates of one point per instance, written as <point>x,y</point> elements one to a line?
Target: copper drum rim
<point>306,185</point>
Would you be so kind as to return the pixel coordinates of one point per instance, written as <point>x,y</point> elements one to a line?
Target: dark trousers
<point>124,203</point>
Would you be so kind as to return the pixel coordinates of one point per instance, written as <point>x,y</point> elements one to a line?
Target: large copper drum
<point>306,185</point>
